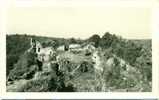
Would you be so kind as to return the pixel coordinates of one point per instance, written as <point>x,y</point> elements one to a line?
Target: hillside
<point>16,45</point>
<point>25,77</point>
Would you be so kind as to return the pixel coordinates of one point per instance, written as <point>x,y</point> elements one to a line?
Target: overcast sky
<point>67,19</point>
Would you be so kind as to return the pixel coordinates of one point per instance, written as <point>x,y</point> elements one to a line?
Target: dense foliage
<point>16,45</point>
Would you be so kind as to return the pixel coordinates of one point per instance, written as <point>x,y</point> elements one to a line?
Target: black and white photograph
<point>68,48</point>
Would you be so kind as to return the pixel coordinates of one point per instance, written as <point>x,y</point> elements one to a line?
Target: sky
<point>79,20</point>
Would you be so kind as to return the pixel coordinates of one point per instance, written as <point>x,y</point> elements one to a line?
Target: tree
<point>95,38</point>
<point>72,41</point>
<point>106,40</point>
<point>49,43</point>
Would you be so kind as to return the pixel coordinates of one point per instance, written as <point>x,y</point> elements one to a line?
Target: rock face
<point>51,67</point>
<point>35,46</point>
<point>74,46</point>
<point>47,54</point>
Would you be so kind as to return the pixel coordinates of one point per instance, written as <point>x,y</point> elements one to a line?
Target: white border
<point>83,95</point>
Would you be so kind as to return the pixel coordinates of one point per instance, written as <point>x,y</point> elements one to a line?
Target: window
<point>38,49</point>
